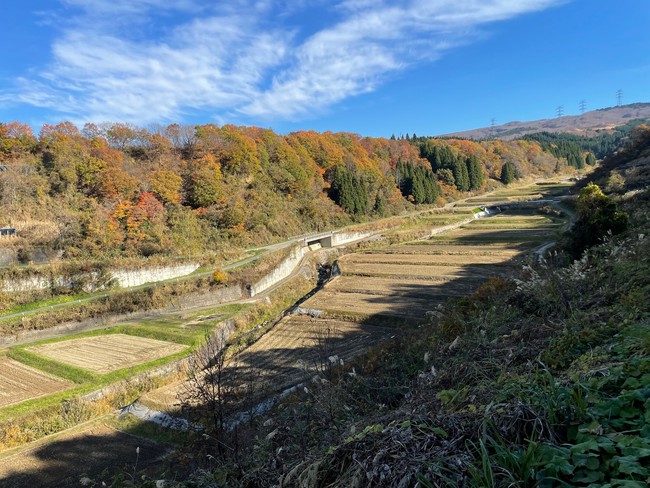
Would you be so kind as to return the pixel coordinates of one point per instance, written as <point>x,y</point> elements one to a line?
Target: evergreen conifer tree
<point>507,173</point>
<point>461,177</point>
<point>591,159</point>
<point>475,172</point>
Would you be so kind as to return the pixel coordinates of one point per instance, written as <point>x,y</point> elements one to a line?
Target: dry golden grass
<point>431,247</point>
<point>418,271</point>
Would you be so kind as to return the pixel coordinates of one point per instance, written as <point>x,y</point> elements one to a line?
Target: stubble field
<point>19,382</point>
<point>300,346</point>
<point>410,279</point>
<point>103,354</point>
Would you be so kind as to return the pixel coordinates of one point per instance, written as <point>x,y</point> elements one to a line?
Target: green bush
<point>597,216</point>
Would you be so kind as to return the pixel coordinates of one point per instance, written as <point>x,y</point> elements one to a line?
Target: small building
<point>7,231</point>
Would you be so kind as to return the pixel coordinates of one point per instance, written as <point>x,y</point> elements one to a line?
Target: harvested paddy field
<point>518,222</point>
<point>366,305</point>
<point>410,287</point>
<point>432,272</point>
<point>470,235</point>
<point>294,350</point>
<point>533,191</point>
<point>103,354</point>
<point>418,259</point>
<point>378,293</point>
<point>509,218</point>
<point>96,452</point>
<point>300,346</point>
<point>506,251</point>
<point>407,280</point>
<point>19,382</point>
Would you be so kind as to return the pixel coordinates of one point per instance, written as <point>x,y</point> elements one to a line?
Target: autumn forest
<point>116,190</point>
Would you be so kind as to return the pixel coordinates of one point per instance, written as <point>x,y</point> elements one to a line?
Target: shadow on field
<point>411,299</point>
<point>324,346</point>
<point>290,354</point>
<point>98,453</point>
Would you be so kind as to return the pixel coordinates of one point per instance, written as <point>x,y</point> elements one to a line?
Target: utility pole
<point>619,97</point>
<point>583,106</point>
<point>559,111</point>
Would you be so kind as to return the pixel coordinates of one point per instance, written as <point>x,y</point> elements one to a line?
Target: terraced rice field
<point>366,305</point>
<point>534,191</point>
<point>380,291</point>
<point>19,382</point>
<point>400,271</point>
<point>96,451</point>
<point>407,280</point>
<point>418,259</point>
<point>409,287</point>
<point>479,235</point>
<point>103,354</point>
<point>300,346</point>
<point>506,251</point>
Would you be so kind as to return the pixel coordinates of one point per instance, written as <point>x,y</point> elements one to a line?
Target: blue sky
<point>375,67</point>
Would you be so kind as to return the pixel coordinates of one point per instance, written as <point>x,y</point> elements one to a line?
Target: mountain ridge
<point>587,124</point>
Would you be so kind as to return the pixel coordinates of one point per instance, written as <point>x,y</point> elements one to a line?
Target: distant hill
<point>586,124</point>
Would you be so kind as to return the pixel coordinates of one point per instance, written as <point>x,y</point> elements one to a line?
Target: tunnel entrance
<point>322,241</point>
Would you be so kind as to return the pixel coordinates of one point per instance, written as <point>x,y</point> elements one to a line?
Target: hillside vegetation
<point>537,381</point>
<point>117,191</point>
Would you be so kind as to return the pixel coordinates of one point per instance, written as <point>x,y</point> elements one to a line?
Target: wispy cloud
<point>248,59</point>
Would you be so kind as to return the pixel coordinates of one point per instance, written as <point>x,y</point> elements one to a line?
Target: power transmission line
<point>493,123</point>
<point>619,97</point>
<point>559,111</point>
<point>583,106</point>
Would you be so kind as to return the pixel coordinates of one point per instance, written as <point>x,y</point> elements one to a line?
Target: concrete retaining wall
<point>281,271</point>
<point>26,284</point>
<point>341,238</point>
<point>125,278</point>
<point>7,257</point>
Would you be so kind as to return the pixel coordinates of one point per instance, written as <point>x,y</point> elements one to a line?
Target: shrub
<point>597,215</point>
<point>220,277</point>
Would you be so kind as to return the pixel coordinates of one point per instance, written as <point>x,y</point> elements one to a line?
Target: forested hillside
<point>580,150</point>
<point>117,190</point>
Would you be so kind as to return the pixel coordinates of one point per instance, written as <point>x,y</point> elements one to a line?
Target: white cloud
<point>230,58</point>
